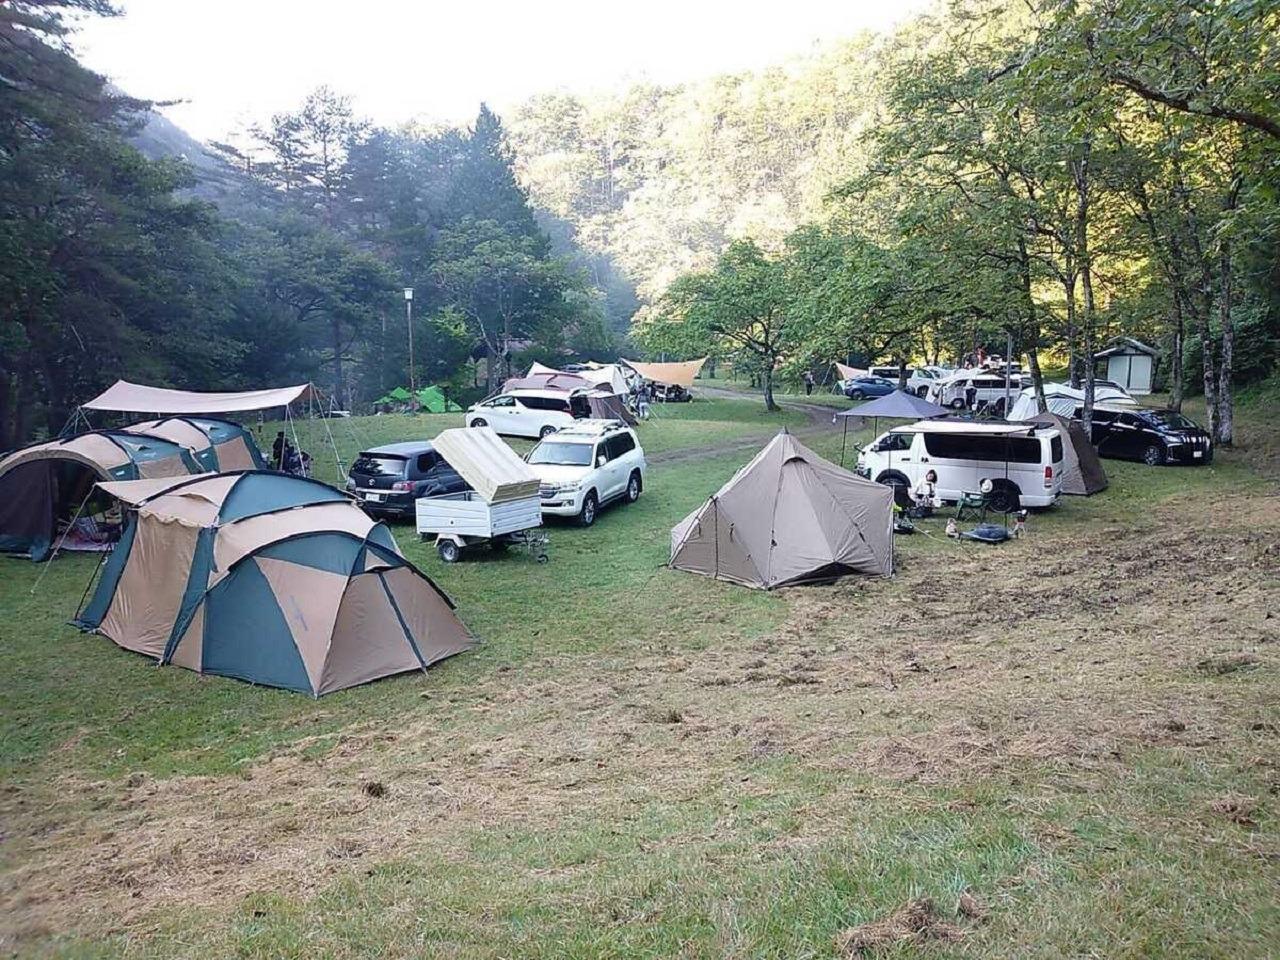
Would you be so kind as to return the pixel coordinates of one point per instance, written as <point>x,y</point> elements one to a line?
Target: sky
<point>232,62</point>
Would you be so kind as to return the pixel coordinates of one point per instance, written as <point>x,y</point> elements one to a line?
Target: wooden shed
<point>1129,363</point>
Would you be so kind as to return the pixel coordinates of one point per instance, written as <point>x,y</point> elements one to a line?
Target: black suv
<point>387,480</point>
<point>1152,436</point>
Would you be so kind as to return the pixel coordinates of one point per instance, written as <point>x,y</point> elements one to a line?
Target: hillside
<point>661,178</point>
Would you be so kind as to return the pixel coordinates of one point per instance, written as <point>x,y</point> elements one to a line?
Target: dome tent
<point>217,445</point>
<point>42,486</point>
<point>269,578</point>
<point>788,517</point>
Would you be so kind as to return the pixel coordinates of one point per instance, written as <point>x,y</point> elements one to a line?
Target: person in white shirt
<point>925,493</point>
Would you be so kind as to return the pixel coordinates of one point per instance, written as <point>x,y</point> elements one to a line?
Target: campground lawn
<point>1064,746</point>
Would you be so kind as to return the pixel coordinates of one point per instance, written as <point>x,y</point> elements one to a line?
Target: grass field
<point>1061,747</point>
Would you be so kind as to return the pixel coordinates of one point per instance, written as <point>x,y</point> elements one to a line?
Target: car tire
<point>901,488</point>
<point>479,422</point>
<point>590,507</point>
<point>546,431</point>
<point>957,404</point>
<point>921,391</point>
<point>634,485</point>
<point>856,395</point>
<point>1153,456</point>
<point>1004,498</point>
<point>449,551</point>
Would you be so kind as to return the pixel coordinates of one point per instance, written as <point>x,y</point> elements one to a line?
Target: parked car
<point>1023,463</point>
<point>525,413</point>
<point>387,480</point>
<point>1152,436</point>
<point>585,466</point>
<point>973,389</point>
<point>670,393</point>
<point>918,378</point>
<point>859,388</point>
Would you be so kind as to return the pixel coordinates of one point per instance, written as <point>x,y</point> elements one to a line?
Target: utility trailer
<point>461,520</point>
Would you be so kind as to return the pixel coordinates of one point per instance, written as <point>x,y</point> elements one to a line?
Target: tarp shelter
<point>679,374</point>
<point>128,397</point>
<point>848,373</point>
<point>490,467</point>
<point>42,487</point>
<point>1082,472</point>
<point>788,517</point>
<point>898,405</point>
<point>1063,400</point>
<point>608,406</point>
<point>217,445</point>
<point>269,578</point>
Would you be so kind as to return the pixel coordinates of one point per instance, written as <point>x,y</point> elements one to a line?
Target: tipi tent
<point>270,578</point>
<point>1082,472</point>
<point>788,517</point>
<point>42,487</point>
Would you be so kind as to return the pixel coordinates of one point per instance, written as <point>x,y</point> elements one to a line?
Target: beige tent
<point>1082,471</point>
<point>680,374</point>
<point>788,517</point>
<point>273,579</point>
<point>490,467</point>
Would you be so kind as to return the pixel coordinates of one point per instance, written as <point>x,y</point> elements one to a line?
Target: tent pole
<point>53,556</point>
<point>843,439</point>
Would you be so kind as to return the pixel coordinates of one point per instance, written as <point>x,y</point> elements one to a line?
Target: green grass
<point>580,820</point>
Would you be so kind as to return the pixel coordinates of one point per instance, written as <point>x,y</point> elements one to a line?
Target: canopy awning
<point>129,397</point>
<point>899,404</point>
<point>680,374</point>
<point>848,373</point>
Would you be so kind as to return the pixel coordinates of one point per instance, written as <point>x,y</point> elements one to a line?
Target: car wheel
<point>921,391</point>
<point>546,432</point>
<point>587,515</point>
<point>957,404</point>
<point>634,486</point>
<point>855,395</point>
<point>1153,456</point>
<point>901,489</point>
<point>479,422</point>
<point>1004,498</point>
<point>449,551</point>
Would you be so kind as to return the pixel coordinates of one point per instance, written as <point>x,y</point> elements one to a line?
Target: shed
<point>1129,363</point>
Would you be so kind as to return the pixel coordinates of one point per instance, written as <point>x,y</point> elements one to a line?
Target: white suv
<point>523,413</point>
<point>585,466</point>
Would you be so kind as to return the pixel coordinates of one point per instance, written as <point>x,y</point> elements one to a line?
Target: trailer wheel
<point>449,551</point>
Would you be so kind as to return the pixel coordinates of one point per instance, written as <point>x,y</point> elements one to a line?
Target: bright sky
<point>236,61</point>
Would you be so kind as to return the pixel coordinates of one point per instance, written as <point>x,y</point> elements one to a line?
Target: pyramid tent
<point>1082,472</point>
<point>269,578</point>
<point>788,517</point>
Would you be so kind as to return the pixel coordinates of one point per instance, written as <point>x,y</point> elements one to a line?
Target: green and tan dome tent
<point>218,446</point>
<point>269,578</point>
<point>43,487</point>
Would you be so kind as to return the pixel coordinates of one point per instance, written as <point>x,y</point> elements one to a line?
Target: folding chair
<point>972,505</point>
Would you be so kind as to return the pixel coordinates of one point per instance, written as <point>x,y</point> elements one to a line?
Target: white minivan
<point>523,413</point>
<point>1022,461</point>
<point>973,389</point>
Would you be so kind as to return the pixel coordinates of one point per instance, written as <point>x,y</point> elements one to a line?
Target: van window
<point>619,445</point>
<point>1055,449</point>
<point>895,442</point>
<point>501,402</point>
<point>959,446</point>
<point>545,403</point>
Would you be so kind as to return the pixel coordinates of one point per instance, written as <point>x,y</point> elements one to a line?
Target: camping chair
<point>972,505</point>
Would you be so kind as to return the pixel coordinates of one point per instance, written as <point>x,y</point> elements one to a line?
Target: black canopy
<point>897,405</point>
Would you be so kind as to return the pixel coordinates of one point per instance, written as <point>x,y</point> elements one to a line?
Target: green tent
<point>433,400</point>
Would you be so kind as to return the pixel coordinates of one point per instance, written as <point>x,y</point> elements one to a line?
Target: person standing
<point>808,383</point>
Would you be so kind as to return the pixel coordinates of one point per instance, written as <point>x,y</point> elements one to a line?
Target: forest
<point>1050,171</point>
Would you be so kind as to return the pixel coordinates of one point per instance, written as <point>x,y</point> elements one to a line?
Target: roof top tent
<point>1130,363</point>
<point>273,579</point>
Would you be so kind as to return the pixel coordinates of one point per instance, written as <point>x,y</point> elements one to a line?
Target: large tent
<point>1082,472</point>
<point>217,445</point>
<point>555,380</point>
<point>269,578</point>
<point>678,374</point>
<point>788,517</point>
<point>43,487</point>
<point>1063,399</point>
<point>609,406</point>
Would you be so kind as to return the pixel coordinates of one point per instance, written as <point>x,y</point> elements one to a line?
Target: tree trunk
<point>1175,359</point>
<point>1226,412</point>
<point>902,373</point>
<point>1083,260</point>
<point>768,385</point>
<point>335,329</point>
<point>1032,326</point>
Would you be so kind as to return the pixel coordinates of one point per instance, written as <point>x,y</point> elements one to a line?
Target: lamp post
<point>408,316</point>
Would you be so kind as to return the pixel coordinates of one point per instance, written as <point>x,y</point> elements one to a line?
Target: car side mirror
<point>601,460</point>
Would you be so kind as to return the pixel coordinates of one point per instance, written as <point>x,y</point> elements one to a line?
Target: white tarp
<point>848,373</point>
<point>1063,400</point>
<point>136,398</point>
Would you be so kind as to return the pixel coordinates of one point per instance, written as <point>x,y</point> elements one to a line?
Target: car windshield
<point>379,465</point>
<point>1167,418</point>
<point>561,454</point>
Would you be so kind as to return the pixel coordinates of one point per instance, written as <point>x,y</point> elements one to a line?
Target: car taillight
<point>402,486</point>
<point>1048,477</point>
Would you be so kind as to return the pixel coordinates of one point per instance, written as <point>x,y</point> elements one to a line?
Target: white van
<point>919,379</point>
<point>524,413</point>
<point>973,389</point>
<point>1022,461</point>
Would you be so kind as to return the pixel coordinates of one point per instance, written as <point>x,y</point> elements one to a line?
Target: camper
<point>1023,462</point>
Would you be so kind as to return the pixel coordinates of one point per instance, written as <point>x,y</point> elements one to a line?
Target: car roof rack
<point>588,427</point>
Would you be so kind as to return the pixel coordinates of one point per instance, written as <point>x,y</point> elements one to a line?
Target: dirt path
<point>819,422</point>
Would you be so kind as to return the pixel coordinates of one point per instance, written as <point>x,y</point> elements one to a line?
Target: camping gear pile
<point>502,507</point>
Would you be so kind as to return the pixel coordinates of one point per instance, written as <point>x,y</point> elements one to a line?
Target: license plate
<point>1197,453</point>
<point>373,497</point>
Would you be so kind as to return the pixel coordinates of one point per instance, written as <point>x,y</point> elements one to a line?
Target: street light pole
<point>408,316</point>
